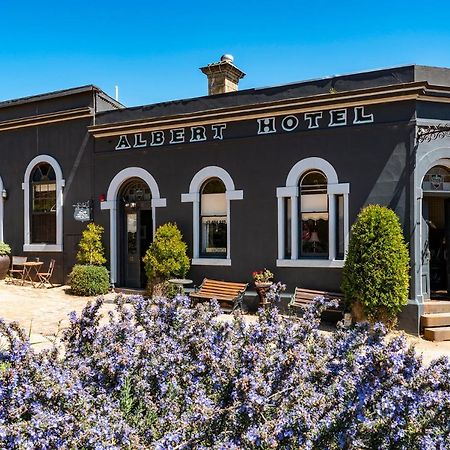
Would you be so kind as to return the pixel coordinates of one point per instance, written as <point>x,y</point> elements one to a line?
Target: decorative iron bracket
<point>428,133</point>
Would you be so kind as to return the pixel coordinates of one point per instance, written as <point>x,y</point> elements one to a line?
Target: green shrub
<point>166,257</point>
<point>5,249</point>
<point>86,280</point>
<point>91,248</point>
<point>376,271</point>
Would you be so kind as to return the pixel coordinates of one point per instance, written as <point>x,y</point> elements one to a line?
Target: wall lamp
<point>4,194</point>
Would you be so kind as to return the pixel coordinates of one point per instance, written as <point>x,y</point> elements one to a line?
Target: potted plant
<point>263,279</point>
<point>5,251</point>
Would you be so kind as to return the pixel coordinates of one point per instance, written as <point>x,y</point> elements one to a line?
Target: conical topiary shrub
<point>376,272</point>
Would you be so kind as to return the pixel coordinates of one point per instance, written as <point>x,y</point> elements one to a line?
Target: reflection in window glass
<point>213,212</point>
<point>314,215</point>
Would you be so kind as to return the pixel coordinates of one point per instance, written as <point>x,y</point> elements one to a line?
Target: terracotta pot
<point>4,266</point>
<point>263,284</point>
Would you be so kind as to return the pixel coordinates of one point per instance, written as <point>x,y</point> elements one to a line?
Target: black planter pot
<point>4,266</point>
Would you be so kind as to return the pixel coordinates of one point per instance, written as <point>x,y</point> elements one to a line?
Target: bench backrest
<point>304,297</point>
<point>221,289</point>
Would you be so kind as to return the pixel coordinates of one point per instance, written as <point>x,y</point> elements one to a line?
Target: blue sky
<point>153,50</point>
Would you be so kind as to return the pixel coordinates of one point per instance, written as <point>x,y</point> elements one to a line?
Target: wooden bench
<point>304,298</point>
<point>225,292</point>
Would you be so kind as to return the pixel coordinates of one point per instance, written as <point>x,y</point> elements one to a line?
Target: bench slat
<point>223,291</point>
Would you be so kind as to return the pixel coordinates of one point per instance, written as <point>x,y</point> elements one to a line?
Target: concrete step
<point>435,320</point>
<point>437,334</point>
<point>436,306</point>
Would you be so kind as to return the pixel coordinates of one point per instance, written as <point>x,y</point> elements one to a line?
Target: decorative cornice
<point>385,94</point>
<point>42,119</point>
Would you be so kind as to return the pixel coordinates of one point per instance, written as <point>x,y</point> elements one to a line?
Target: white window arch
<point>194,196</point>
<point>335,212</point>
<point>111,204</point>
<point>28,245</point>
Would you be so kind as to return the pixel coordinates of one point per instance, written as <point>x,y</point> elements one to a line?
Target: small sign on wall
<point>82,211</point>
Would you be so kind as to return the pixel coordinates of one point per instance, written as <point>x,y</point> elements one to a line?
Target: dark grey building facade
<point>257,178</point>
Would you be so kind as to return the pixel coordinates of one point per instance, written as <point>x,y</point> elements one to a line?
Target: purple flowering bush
<point>166,375</point>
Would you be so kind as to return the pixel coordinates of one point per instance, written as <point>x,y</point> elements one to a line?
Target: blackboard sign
<point>82,211</point>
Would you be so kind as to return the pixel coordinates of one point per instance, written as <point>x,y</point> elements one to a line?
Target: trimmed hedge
<point>376,271</point>
<point>87,280</point>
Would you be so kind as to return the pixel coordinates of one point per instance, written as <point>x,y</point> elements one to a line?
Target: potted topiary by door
<point>166,258</point>
<point>376,272</point>
<point>5,251</point>
<point>90,276</point>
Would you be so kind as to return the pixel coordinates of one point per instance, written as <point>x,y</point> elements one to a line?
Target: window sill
<point>211,262</point>
<point>325,263</point>
<point>42,248</point>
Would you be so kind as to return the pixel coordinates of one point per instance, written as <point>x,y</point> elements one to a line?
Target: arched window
<point>43,204</point>
<point>313,224</point>
<point>213,211</point>
<point>314,218</point>
<point>211,192</point>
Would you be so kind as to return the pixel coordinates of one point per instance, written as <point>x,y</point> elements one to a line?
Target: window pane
<point>43,205</point>
<point>214,205</point>
<point>314,237</point>
<point>288,229</point>
<point>214,235</point>
<point>340,227</point>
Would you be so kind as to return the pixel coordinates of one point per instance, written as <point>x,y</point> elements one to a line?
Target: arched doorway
<point>436,234</point>
<point>135,231</point>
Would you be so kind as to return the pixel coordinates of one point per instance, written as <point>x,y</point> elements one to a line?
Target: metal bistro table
<point>180,283</point>
<point>31,269</point>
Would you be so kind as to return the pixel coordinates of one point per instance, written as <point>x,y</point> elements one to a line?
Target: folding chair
<point>17,261</point>
<point>44,277</point>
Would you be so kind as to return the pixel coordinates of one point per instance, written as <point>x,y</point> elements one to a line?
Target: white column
<point>196,228</point>
<point>346,225</point>
<point>281,238</point>
<point>331,227</point>
<point>228,229</point>
<point>294,227</point>
<point>113,243</point>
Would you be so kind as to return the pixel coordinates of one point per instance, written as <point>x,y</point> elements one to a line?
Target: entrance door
<point>447,243</point>
<point>135,232</point>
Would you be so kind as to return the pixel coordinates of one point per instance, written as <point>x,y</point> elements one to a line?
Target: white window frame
<point>291,190</point>
<point>112,204</point>
<point>28,246</point>
<point>194,196</point>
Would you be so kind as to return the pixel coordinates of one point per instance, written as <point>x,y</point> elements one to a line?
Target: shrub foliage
<point>90,277</point>
<point>86,280</point>
<point>166,256</point>
<point>91,249</point>
<point>376,271</point>
<point>166,375</point>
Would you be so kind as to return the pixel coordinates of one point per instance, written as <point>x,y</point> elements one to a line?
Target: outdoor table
<point>31,268</point>
<point>180,283</point>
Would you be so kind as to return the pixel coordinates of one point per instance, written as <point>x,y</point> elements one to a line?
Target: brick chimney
<point>223,76</point>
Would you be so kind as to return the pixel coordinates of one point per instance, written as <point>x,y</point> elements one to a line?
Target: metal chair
<point>44,277</point>
<point>17,261</point>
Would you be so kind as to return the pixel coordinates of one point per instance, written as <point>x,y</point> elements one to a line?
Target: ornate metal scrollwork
<point>430,133</point>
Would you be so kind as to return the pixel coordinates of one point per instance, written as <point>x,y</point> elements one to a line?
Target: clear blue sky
<point>153,49</point>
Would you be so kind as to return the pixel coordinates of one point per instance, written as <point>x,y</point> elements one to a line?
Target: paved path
<point>42,311</point>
